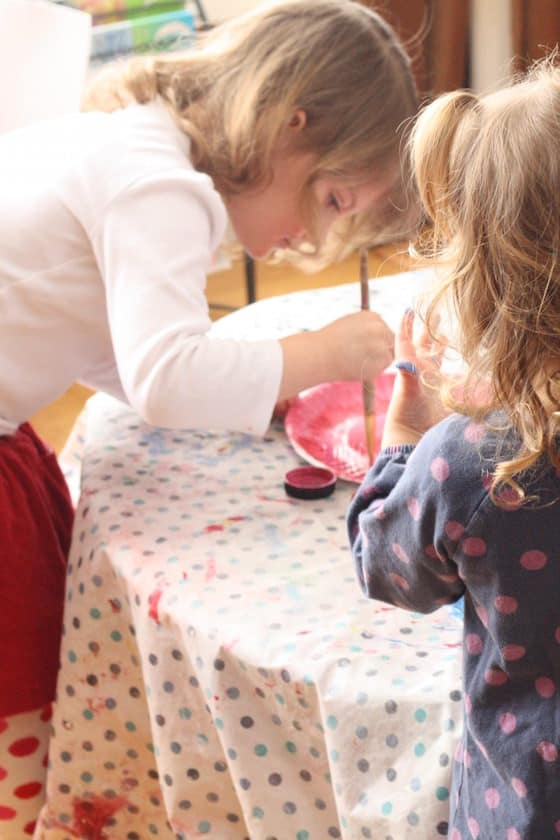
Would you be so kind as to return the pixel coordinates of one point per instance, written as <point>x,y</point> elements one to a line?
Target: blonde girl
<point>286,123</point>
<point>471,506</point>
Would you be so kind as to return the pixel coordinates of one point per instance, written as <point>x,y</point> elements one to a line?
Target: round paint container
<point>309,482</point>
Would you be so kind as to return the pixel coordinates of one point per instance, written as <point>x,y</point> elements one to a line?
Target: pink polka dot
<point>467,759</point>
<point>468,704</point>
<point>545,687</point>
<point>512,653</point>
<point>557,635</point>
<point>506,604</point>
<point>430,551</point>
<point>508,723</point>
<point>533,560</point>
<point>7,813</point>
<point>439,468</point>
<point>510,498</point>
<point>399,581</point>
<point>513,834</point>
<point>557,826</point>
<point>455,835</point>
<point>454,530</point>
<point>474,827</point>
<point>458,752</point>
<point>474,432</point>
<point>400,553</point>
<point>25,746</point>
<point>492,797</point>
<point>495,676</point>
<point>547,751</point>
<point>519,787</point>
<point>413,506</point>
<point>379,512</point>
<point>473,643</point>
<point>473,547</point>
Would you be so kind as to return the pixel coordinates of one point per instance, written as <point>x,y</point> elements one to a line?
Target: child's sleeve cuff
<point>398,449</point>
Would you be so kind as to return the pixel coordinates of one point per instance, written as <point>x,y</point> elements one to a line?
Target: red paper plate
<point>325,425</point>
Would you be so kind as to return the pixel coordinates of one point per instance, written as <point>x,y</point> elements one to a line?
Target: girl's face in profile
<point>270,218</point>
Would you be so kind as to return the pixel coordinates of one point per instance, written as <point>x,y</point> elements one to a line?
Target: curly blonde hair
<point>336,60</point>
<point>488,174</point>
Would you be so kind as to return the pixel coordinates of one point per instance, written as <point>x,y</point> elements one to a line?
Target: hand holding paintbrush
<point>368,387</point>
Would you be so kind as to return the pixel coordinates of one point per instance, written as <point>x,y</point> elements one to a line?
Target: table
<point>222,674</point>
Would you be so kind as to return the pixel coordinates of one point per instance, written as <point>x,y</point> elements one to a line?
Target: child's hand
<point>415,406</point>
<point>353,347</point>
<point>358,345</point>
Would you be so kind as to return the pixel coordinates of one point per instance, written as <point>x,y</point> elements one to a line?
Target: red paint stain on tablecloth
<point>92,815</point>
<point>153,603</point>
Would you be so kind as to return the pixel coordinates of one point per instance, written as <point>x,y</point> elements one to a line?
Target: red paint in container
<point>309,482</point>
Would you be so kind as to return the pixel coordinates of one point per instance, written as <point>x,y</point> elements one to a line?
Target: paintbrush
<point>368,387</point>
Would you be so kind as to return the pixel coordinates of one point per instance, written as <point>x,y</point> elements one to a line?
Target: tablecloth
<point>221,673</point>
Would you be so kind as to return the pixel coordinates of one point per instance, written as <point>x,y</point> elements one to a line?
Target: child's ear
<point>297,121</point>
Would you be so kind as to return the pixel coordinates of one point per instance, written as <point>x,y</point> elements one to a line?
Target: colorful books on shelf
<point>151,33</point>
<point>109,11</point>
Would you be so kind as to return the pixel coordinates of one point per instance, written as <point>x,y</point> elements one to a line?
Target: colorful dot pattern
<point>221,674</point>
<point>23,762</point>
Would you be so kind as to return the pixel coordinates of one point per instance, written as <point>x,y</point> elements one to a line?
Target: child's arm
<point>348,348</point>
<point>400,552</point>
<point>153,245</point>
<point>397,524</point>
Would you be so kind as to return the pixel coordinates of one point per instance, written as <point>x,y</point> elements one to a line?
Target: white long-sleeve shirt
<point>106,236</point>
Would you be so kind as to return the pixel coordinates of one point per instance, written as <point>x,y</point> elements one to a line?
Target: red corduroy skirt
<point>35,530</point>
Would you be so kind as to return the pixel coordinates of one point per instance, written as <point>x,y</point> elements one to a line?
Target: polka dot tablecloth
<point>222,675</point>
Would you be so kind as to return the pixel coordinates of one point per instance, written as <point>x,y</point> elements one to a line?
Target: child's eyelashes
<point>333,201</point>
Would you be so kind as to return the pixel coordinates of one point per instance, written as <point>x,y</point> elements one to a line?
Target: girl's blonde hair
<point>488,173</point>
<point>234,94</point>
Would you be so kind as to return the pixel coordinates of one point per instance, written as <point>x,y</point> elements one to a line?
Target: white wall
<point>491,42</point>
<point>44,51</point>
<point>218,10</point>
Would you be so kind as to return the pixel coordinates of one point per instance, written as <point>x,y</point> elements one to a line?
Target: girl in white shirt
<point>286,122</point>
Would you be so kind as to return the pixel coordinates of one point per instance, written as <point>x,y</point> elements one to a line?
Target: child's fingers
<point>430,348</point>
<point>407,367</point>
<point>404,344</point>
<point>416,350</point>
